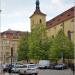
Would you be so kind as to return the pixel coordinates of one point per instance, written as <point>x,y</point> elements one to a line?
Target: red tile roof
<point>61,18</point>
<point>11,33</point>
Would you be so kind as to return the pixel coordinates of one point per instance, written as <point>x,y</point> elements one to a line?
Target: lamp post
<point>11,50</point>
<point>1,56</point>
<point>62,56</point>
<point>11,55</point>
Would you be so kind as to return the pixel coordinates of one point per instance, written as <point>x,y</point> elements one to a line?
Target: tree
<point>39,43</point>
<point>62,46</point>
<point>23,47</point>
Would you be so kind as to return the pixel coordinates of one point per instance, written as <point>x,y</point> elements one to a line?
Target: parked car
<point>8,67</point>
<point>60,66</point>
<point>72,66</point>
<point>44,64</point>
<point>16,68</point>
<point>5,67</point>
<point>29,69</point>
<point>52,65</point>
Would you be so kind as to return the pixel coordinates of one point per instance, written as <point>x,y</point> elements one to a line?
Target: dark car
<point>60,66</point>
<point>8,68</point>
<point>5,67</point>
<point>52,65</point>
<point>72,67</point>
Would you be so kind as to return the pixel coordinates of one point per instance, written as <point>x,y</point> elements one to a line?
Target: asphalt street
<point>49,72</point>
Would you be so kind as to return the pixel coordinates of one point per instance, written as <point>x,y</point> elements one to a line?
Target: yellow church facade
<point>65,20</point>
<point>37,17</point>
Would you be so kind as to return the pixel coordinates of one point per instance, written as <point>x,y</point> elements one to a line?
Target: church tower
<point>37,17</point>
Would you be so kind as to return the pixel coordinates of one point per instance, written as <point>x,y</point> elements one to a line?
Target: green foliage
<point>38,43</point>
<point>38,46</point>
<point>23,47</point>
<point>61,45</point>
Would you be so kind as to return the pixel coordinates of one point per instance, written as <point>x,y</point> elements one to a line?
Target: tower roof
<point>37,5</point>
<point>37,10</point>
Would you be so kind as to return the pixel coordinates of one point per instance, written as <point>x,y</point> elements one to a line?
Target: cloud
<point>56,2</point>
<point>55,7</point>
<point>18,20</point>
<point>16,26</point>
<point>17,16</point>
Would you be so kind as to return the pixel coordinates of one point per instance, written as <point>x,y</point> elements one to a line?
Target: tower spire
<point>37,5</point>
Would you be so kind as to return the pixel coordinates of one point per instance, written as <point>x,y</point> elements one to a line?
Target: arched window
<point>69,34</point>
<point>40,21</point>
<point>52,36</point>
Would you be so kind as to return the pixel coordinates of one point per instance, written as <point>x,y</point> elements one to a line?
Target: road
<point>55,72</point>
<point>50,72</point>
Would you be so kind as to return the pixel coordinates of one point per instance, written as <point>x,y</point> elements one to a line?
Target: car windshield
<point>19,66</point>
<point>31,66</point>
<point>24,66</point>
<point>59,65</point>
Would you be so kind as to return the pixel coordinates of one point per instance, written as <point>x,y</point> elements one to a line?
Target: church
<point>64,20</point>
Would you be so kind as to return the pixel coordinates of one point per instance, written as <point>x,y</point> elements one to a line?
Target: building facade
<point>65,21</point>
<point>9,39</point>
<point>9,45</point>
<point>37,17</point>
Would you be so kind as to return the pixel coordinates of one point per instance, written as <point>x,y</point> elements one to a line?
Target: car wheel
<point>12,71</point>
<point>34,74</point>
<point>24,72</point>
<point>19,73</point>
<point>62,68</point>
<point>45,67</point>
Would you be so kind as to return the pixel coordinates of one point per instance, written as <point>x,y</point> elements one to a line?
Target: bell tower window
<point>40,21</point>
<point>33,21</point>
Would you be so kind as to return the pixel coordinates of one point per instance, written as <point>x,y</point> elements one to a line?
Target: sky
<point>15,13</point>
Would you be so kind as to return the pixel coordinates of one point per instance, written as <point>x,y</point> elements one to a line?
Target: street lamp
<point>62,56</point>
<point>1,60</point>
<point>11,55</point>
<point>62,51</point>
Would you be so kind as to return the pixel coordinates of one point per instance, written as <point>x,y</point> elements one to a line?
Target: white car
<point>16,68</point>
<point>29,69</point>
<point>44,64</point>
